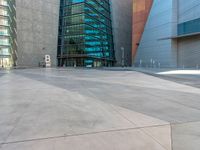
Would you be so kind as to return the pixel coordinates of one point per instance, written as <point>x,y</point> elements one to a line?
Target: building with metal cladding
<point>141,9</point>
<point>8,43</point>
<point>170,35</point>
<point>161,33</point>
<point>85,33</point>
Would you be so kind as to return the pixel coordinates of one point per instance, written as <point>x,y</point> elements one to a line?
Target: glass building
<point>8,45</point>
<point>85,34</point>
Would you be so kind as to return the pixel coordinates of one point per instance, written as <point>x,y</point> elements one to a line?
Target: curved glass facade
<point>85,33</point>
<point>8,45</point>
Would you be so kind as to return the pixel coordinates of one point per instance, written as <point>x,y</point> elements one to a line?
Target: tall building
<point>188,38</point>
<point>37,31</point>
<point>85,33</point>
<point>8,43</point>
<point>171,35</point>
<point>88,33</point>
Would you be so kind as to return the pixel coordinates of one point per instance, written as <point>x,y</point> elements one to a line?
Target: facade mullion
<point>86,34</point>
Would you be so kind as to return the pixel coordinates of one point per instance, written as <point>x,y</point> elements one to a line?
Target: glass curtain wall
<point>7,33</point>
<point>85,33</point>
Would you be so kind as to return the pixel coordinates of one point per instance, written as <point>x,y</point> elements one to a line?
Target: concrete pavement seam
<point>140,128</point>
<point>182,123</point>
<point>76,135</point>
<point>177,102</point>
<point>17,121</point>
<point>171,138</point>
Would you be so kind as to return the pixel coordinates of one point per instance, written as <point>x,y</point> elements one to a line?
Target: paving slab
<point>160,107</point>
<point>83,109</point>
<point>56,112</point>
<point>138,119</point>
<point>186,136</point>
<point>118,140</point>
<point>161,134</point>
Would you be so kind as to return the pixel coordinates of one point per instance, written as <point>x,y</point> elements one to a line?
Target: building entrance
<point>5,62</point>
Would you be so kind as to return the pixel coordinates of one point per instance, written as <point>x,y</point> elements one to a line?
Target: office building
<point>168,35</point>
<point>8,48</point>
<point>37,31</point>
<point>85,33</point>
<point>97,33</point>
<point>89,33</point>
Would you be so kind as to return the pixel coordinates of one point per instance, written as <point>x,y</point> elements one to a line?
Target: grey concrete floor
<point>83,109</point>
<point>186,79</point>
<point>190,80</point>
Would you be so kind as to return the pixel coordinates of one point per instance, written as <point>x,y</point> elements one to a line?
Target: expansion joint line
<point>142,128</point>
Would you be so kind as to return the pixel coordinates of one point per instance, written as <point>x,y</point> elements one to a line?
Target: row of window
<point>81,49</point>
<point>86,19</point>
<point>83,8</point>
<point>103,3</point>
<point>188,27</point>
<point>4,51</point>
<point>77,39</point>
<point>85,28</point>
<point>3,2</point>
<point>4,31</point>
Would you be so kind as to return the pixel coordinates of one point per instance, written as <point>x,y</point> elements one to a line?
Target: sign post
<point>47,60</point>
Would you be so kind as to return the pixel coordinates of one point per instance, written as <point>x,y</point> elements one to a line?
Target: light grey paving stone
<point>118,140</point>
<point>138,119</point>
<point>66,113</point>
<point>154,106</point>
<point>186,136</point>
<point>9,116</point>
<point>44,103</point>
<point>161,134</point>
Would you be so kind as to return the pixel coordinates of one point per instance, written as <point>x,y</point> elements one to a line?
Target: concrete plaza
<point>88,109</point>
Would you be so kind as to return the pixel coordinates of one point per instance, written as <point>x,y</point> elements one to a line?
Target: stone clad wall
<point>37,30</point>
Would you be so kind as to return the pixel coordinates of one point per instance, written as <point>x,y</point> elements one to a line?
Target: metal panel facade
<point>141,9</point>
<point>169,19</point>
<point>153,52</point>
<point>189,47</point>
